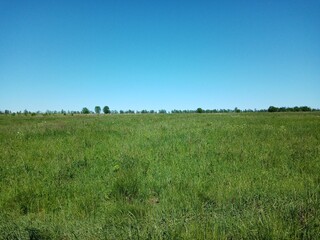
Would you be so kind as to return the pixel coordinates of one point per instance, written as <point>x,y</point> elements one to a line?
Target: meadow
<point>160,176</point>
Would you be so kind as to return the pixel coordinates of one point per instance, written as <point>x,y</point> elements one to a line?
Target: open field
<point>154,176</point>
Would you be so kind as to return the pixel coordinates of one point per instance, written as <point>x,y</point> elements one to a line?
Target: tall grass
<point>192,176</point>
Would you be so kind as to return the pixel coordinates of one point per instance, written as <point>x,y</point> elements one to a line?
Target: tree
<point>97,109</point>
<point>305,109</point>
<point>237,110</point>
<point>162,111</point>
<point>199,110</point>
<point>272,109</point>
<point>85,110</point>
<point>106,110</point>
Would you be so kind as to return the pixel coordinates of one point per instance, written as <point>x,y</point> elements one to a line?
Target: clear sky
<point>168,54</point>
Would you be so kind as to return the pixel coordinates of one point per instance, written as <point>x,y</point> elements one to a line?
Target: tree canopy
<point>85,110</point>
<point>106,110</point>
<point>97,109</point>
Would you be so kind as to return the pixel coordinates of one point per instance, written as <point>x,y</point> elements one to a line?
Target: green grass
<point>185,176</point>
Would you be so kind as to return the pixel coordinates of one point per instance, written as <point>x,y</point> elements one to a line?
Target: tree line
<point>106,110</point>
<point>291,109</point>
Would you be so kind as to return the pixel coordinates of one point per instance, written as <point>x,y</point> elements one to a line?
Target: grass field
<point>154,176</point>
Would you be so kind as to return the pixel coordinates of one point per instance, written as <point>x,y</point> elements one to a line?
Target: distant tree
<point>199,110</point>
<point>25,112</point>
<point>282,109</point>
<point>176,111</point>
<point>6,112</point>
<point>97,109</point>
<point>237,110</point>
<point>85,110</point>
<point>296,109</point>
<point>305,109</point>
<point>121,112</point>
<point>289,109</point>
<point>272,109</point>
<point>106,110</point>
<point>163,111</point>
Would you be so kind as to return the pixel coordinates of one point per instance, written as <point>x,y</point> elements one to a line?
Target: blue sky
<point>166,54</point>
